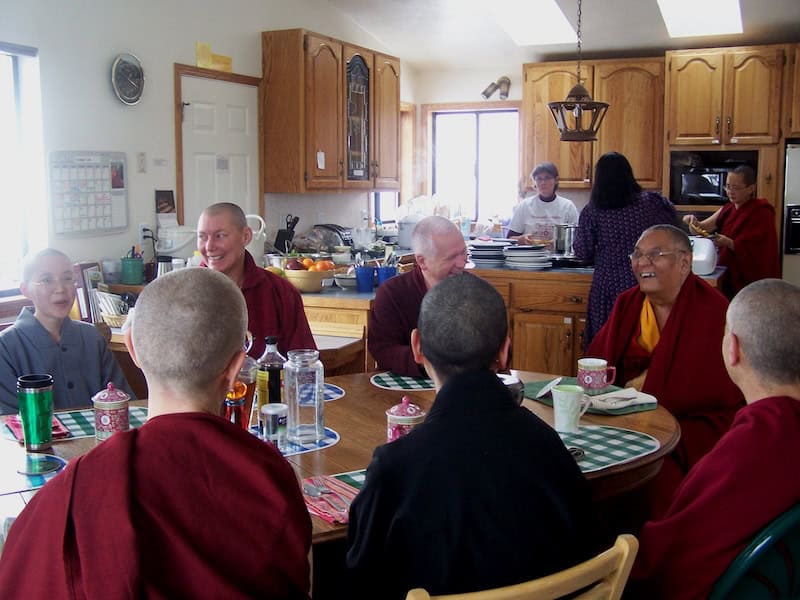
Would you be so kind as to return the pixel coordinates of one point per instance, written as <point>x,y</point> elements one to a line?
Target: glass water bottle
<point>304,379</point>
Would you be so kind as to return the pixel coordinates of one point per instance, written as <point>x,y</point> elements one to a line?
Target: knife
<point>543,392</point>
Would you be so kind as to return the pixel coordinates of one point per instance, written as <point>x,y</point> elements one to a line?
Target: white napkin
<point>621,399</point>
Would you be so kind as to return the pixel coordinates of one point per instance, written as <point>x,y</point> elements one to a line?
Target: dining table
<point>359,419</point>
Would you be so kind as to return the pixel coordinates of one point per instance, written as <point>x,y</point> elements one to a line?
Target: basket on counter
<point>115,321</point>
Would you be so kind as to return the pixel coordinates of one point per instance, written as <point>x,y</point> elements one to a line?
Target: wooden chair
<point>769,567</point>
<point>604,577</point>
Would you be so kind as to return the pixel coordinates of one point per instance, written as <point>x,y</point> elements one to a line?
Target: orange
<point>326,265</point>
<point>307,262</point>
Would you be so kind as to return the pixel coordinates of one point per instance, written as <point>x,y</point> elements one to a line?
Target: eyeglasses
<point>543,178</point>
<point>52,283</point>
<point>651,256</point>
<point>736,188</point>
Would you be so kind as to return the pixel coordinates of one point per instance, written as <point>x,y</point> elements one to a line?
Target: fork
<point>324,489</point>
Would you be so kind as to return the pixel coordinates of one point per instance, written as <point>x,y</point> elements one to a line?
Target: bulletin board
<point>88,193</point>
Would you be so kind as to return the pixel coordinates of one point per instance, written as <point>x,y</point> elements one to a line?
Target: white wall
<point>462,85</point>
<point>77,42</point>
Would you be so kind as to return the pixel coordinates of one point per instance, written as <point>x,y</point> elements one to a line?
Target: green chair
<point>770,565</point>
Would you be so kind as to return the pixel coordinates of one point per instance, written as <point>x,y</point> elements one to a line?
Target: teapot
<point>256,245</point>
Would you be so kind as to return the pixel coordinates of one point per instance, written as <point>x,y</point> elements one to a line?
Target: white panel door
<point>220,145</point>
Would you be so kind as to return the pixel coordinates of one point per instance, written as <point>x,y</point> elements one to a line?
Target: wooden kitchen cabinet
<point>330,117</point>
<point>548,82</point>
<point>633,125</point>
<point>543,342</point>
<point>791,97</point>
<point>724,96</point>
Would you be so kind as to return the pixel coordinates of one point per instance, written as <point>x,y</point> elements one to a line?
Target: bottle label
<point>262,394</point>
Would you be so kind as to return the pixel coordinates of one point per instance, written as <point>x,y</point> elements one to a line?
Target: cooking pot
<point>563,240</point>
<point>405,227</point>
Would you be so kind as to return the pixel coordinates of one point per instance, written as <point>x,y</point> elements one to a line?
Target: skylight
<point>533,22</point>
<point>690,18</point>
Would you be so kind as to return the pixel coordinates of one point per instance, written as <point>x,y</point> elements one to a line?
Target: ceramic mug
<point>594,375</point>
<point>569,405</point>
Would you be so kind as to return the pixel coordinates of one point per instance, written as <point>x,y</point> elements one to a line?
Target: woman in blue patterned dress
<point>617,214</point>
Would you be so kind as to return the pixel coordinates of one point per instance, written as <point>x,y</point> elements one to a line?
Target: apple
<point>295,265</point>
<point>277,270</point>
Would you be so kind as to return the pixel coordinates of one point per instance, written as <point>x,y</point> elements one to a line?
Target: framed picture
<point>165,201</point>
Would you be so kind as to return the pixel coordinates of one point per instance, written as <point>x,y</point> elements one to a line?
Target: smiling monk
<point>664,337</point>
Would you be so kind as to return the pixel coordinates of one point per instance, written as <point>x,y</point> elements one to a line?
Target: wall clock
<point>127,78</point>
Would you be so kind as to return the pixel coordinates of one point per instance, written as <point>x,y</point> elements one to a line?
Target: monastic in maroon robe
<point>756,253</point>
<point>686,372</point>
<point>746,481</point>
<point>187,506</point>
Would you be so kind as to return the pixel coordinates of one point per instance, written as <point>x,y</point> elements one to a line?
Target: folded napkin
<point>622,399</point>
<point>616,401</point>
<point>321,507</point>
<point>15,426</point>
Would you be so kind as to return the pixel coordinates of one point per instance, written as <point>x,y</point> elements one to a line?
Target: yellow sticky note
<point>220,62</point>
<point>202,52</point>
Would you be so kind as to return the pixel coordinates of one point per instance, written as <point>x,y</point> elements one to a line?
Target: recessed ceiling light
<point>533,22</point>
<point>693,18</point>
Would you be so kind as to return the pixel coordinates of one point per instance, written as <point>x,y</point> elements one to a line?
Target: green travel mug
<point>35,398</point>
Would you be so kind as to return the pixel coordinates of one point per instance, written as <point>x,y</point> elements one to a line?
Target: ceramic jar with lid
<point>402,418</point>
<point>110,412</point>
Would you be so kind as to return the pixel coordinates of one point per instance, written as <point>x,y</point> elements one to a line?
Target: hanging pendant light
<point>578,117</point>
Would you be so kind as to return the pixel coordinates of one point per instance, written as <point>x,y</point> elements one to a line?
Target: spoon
<point>314,492</point>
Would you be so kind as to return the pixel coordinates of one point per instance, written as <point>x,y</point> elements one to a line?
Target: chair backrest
<point>769,567</point>
<point>604,577</point>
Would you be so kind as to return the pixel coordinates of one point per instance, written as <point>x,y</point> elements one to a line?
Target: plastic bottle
<point>269,381</point>
<point>305,395</point>
<point>234,405</point>
<point>195,260</point>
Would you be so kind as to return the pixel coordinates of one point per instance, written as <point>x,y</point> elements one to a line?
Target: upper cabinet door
<point>540,138</point>
<point>752,96</point>
<point>694,98</point>
<point>634,122</point>
<point>358,109</point>
<point>791,97</point>
<point>324,156</point>
<point>386,121</point>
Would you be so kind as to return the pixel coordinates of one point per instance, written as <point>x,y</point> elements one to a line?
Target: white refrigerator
<point>791,216</point>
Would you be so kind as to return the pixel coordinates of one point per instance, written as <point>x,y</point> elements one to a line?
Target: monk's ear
<point>732,349</point>
<point>502,355</point>
<point>231,371</point>
<point>129,345</point>
<point>416,347</point>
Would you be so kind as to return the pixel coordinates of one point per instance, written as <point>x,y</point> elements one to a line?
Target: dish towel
<point>320,506</point>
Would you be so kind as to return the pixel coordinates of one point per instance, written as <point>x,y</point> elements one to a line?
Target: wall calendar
<point>88,193</point>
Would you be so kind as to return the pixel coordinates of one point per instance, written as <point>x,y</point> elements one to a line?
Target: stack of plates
<point>527,258</point>
<point>487,255</point>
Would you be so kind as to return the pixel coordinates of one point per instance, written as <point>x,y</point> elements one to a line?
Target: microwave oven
<point>699,185</point>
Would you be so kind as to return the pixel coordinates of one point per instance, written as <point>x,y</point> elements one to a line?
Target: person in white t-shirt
<point>535,215</point>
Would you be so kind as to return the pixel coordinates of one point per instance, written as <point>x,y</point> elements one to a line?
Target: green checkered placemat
<point>352,478</point>
<point>390,381</point>
<point>605,446</point>
<point>531,389</point>
<point>80,423</point>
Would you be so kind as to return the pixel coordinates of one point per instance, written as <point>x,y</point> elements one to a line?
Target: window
<point>22,176</point>
<point>476,162</point>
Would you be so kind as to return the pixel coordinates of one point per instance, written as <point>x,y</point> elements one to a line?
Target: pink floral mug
<point>594,375</point>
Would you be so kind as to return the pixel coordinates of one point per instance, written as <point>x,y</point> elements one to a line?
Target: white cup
<point>569,405</point>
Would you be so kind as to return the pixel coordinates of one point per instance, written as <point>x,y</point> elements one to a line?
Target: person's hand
<point>690,220</point>
<point>637,382</point>
<point>723,241</point>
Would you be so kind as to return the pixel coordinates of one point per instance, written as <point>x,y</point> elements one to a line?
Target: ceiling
<point>450,34</point>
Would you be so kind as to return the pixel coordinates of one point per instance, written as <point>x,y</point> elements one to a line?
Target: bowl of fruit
<point>307,274</point>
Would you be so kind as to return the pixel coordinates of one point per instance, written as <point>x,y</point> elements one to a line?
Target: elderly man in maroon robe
<point>189,505</point>
<point>663,336</point>
<point>751,476</point>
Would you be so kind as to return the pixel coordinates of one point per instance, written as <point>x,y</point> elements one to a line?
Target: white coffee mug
<point>569,405</point>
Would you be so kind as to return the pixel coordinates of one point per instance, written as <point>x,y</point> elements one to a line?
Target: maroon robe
<point>189,505</point>
<point>686,372</point>
<point>274,307</point>
<point>746,481</point>
<point>756,255</point>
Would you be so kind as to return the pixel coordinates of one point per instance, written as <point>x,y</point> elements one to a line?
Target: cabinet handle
<point>576,299</point>
<point>716,126</point>
<point>768,178</point>
<point>568,339</point>
<point>525,309</point>
<point>729,123</point>
<point>587,179</point>
<point>341,168</point>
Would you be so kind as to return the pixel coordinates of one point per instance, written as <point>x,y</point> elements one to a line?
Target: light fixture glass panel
<point>690,18</point>
<point>533,22</point>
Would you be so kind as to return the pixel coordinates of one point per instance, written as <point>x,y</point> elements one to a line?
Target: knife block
<point>283,241</point>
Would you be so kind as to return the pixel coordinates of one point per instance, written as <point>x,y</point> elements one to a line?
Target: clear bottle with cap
<point>269,380</point>
<point>195,260</point>
<point>305,396</point>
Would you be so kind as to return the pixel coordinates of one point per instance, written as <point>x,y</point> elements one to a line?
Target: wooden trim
<point>179,71</point>
<point>426,173</point>
<point>410,148</point>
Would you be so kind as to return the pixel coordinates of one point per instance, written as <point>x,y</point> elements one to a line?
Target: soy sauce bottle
<point>269,380</point>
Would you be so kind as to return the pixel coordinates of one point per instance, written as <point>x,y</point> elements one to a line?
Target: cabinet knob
<point>525,309</point>
<point>716,126</point>
<point>729,125</point>
<point>587,179</point>
<point>768,178</point>
<point>576,299</point>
